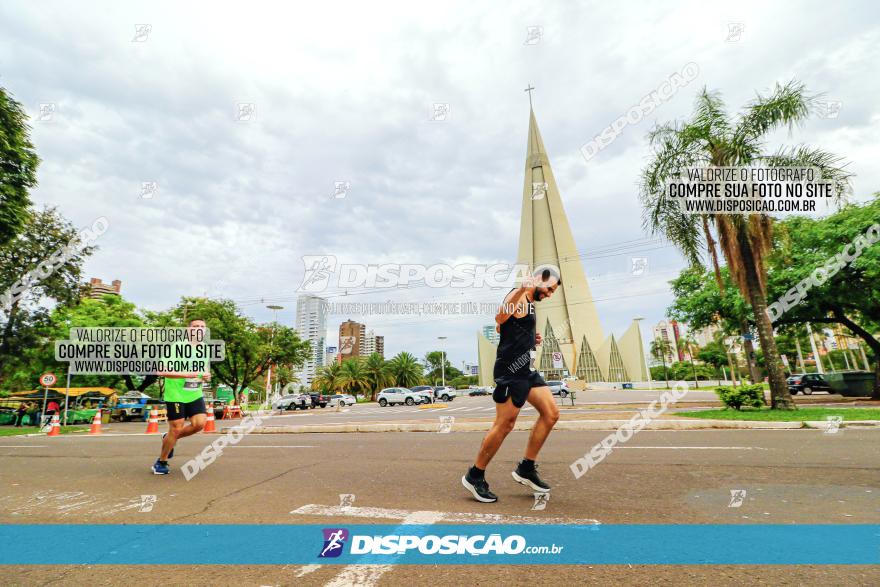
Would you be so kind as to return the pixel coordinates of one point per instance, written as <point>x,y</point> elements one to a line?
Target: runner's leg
<point>175,427</point>
<point>548,414</point>
<point>505,419</point>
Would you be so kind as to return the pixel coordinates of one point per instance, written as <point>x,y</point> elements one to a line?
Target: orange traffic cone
<point>153,426</point>
<point>96,423</point>
<point>55,429</point>
<point>209,424</point>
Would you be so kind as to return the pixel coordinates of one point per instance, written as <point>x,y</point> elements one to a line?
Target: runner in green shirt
<point>183,399</point>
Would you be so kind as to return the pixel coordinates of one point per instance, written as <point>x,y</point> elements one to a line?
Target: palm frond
<point>827,163</point>
<point>787,105</point>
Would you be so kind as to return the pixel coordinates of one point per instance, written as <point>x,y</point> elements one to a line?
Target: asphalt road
<point>790,476</point>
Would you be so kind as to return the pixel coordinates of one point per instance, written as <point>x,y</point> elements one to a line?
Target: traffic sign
<point>48,379</point>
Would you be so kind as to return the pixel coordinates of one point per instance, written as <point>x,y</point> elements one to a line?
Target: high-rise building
<point>352,337</point>
<point>668,333</point>
<point>573,340</point>
<point>96,289</point>
<point>490,333</point>
<point>373,343</point>
<point>311,325</point>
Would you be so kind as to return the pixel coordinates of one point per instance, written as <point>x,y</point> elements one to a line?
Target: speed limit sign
<point>48,379</point>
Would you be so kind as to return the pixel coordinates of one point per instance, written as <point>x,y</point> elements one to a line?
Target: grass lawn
<point>799,415</point>
<point>13,431</point>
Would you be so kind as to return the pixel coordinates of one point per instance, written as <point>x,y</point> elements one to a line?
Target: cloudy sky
<point>344,92</point>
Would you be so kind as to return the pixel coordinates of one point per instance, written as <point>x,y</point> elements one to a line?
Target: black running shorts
<point>517,388</point>
<point>181,410</point>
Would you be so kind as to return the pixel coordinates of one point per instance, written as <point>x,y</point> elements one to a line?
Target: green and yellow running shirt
<point>183,390</point>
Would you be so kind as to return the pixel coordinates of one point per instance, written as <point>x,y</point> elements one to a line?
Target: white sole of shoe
<point>473,491</point>
<point>527,483</point>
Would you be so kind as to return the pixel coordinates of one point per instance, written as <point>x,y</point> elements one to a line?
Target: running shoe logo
<point>334,540</point>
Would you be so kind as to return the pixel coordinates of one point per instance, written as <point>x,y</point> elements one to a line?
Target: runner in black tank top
<point>517,381</point>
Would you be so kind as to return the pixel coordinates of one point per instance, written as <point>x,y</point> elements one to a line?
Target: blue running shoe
<point>160,467</point>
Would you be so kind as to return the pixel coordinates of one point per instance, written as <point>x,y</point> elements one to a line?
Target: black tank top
<point>515,346</point>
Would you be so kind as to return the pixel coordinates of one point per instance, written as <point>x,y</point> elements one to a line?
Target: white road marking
<point>272,446</point>
<point>393,514</point>
<point>696,447</point>
<point>306,569</point>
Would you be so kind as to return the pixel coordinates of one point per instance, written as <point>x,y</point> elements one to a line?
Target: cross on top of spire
<point>529,90</point>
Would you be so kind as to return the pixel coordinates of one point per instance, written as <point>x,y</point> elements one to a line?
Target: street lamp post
<point>274,309</point>
<point>442,362</point>
<point>638,321</point>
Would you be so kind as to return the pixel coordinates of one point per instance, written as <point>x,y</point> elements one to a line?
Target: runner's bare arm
<point>508,306</point>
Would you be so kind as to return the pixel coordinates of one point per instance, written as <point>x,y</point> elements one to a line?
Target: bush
<point>751,396</point>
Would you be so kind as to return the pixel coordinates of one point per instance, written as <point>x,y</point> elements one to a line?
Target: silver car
<point>558,388</point>
<point>342,399</point>
<point>292,402</point>
<point>399,395</point>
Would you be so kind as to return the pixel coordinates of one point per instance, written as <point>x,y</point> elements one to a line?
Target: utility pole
<point>797,345</point>
<point>442,362</point>
<point>819,367</point>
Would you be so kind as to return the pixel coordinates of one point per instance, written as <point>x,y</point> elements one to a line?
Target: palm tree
<point>685,347</point>
<point>659,349</point>
<point>713,139</point>
<point>353,376</point>
<point>329,378</point>
<point>378,372</point>
<point>406,370</point>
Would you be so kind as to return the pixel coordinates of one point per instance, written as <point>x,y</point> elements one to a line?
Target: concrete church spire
<point>568,321</point>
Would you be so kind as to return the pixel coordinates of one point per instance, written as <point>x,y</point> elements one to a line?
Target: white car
<point>400,395</point>
<point>292,402</point>
<point>446,394</point>
<point>342,399</point>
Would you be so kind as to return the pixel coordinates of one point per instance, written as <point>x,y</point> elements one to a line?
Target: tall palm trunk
<point>749,349</point>
<point>780,398</point>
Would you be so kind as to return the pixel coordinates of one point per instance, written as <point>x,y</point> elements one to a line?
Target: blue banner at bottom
<point>482,544</point>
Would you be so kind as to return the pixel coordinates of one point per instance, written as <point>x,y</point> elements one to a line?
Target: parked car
<point>807,383</point>
<point>342,399</point>
<point>446,394</point>
<point>426,391</point>
<point>318,400</point>
<point>478,391</point>
<point>559,388</point>
<point>292,402</point>
<point>400,395</point>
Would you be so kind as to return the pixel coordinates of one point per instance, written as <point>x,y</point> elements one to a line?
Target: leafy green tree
<point>713,139</point>
<point>851,296</point>
<point>406,370</point>
<point>435,368</point>
<point>47,241</point>
<point>18,168</point>
<point>250,348</point>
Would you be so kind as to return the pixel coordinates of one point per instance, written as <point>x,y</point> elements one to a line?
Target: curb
<point>562,425</point>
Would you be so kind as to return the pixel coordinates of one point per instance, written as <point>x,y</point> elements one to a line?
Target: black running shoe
<point>479,489</point>
<point>528,476</point>
<point>171,454</point>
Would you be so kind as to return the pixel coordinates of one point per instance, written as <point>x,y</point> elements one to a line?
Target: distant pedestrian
<point>19,414</point>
